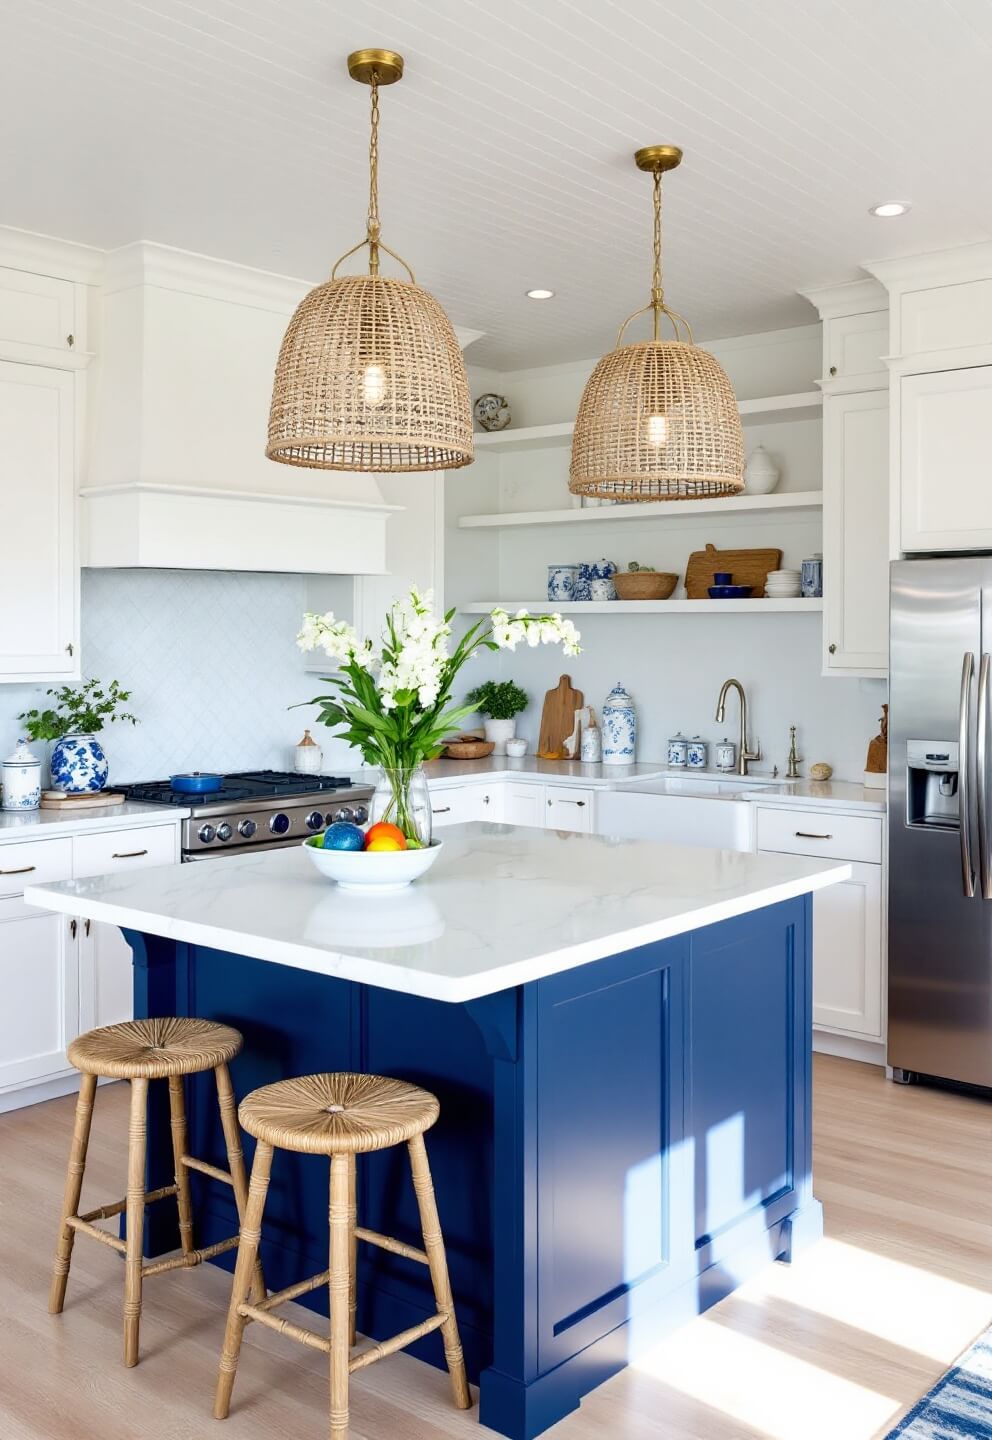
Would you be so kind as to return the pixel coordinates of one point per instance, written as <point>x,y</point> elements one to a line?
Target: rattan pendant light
<point>658,419</point>
<point>370,375</point>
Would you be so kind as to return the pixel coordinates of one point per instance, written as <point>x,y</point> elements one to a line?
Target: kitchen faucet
<point>743,753</point>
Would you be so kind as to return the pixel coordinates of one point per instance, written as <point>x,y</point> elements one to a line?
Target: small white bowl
<point>379,870</point>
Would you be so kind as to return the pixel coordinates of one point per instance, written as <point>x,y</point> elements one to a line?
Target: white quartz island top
<point>503,905</point>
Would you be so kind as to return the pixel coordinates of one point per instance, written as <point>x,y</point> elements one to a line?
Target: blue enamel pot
<point>198,782</point>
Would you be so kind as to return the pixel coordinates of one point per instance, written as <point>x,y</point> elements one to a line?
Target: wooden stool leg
<point>73,1187</point>
<point>434,1246</point>
<point>236,1163</point>
<point>184,1202</point>
<point>251,1234</point>
<point>352,1256</point>
<point>135,1212</point>
<point>342,1225</point>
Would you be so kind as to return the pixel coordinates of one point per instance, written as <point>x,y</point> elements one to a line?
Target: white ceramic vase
<point>761,474</point>
<point>499,731</point>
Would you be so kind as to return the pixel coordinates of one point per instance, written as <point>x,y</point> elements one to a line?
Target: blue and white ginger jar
<point>561,581</point>
<point>79,765</point>
<point>619,727</point>
<point>21,779</point>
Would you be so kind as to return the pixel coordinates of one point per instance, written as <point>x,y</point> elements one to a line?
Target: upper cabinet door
<point>856,533</point>
<point>37,314</point>
<point>853,347</point>
<point>945,461</point>
<point>38,575</point>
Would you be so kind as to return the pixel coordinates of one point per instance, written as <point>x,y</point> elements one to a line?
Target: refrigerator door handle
<point>964,776</point>
<point>981,776</point>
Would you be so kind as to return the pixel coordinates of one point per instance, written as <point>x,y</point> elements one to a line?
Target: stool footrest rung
<point>190,1162</point>
<point>286,1327</point>
<point>382,1348</point>
<point>395,1247</point>
<point>107,1212</point>
<point>84,1227</point>
<point>185,1262</point>
<point>292,1292</point>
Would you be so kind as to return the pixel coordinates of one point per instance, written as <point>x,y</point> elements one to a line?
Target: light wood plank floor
<point>833,1348</point>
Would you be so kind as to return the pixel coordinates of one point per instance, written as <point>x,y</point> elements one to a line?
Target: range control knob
<point>224,831</point>
<point>279,824</point>
<point>361,814</point>
<point>314,820</point>
<point>344,812</point>
<point>247,828</point>
<point>206,833</point>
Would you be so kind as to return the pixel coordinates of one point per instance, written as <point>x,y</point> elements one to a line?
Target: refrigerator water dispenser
<point>932,783</point>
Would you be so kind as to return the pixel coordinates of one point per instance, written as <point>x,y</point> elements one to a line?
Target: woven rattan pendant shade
<point>658,419</point>
<point>370,375</point>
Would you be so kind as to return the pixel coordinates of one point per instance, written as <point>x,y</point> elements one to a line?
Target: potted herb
<point>499,701</point>
<point>78,764</point>
<point>392,694</point>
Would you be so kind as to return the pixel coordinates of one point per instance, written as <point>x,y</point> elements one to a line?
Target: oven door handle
<point>964,777</point>
<point>218,852</point>
<point>981,777</point>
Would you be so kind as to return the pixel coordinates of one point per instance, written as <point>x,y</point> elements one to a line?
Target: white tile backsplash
<point>211,659</point>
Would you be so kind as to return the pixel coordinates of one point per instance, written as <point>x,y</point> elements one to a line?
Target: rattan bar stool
<point>140,1051</point>
<point>340,1115</point>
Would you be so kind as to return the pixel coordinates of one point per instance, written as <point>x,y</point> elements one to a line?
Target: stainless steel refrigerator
<point>940,819</point>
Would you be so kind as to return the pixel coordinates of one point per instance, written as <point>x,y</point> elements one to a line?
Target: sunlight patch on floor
<point>900,1303</point>
<point>765,1388</point>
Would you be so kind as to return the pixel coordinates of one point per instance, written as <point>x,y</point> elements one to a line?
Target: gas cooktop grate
<point>241,785</point>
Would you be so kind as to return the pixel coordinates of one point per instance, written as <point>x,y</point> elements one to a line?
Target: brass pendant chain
<point>657,293</point>
<point>372,223</point>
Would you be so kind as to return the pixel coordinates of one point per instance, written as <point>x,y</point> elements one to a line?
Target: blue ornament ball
<point>344,836</point>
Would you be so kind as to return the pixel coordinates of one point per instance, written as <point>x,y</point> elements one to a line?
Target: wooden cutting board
<point>56,800</point>
<point>558,719</point>
<point>747,567</point>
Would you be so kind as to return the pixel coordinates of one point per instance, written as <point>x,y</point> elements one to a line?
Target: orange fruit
<point>382,843</point>
<point>384,828</point>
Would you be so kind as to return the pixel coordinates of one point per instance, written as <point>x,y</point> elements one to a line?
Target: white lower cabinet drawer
<point>833,835</point>
<point>569,808</point>
<point>32,862</point>
<point>114,850</point>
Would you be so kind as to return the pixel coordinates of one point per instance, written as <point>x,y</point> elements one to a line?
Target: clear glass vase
<point>402,798</point>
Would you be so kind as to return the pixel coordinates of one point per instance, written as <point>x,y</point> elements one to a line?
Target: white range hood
<point>177,476</point>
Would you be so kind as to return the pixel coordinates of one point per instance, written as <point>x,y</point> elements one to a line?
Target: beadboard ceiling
<point>230,127</point>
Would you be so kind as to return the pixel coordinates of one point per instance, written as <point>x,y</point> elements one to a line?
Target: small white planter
<point>499,731</point>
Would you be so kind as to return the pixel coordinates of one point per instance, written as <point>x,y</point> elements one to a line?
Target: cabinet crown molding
<point>851,297</point>
<point>934,268</point>
<point>46,255</point>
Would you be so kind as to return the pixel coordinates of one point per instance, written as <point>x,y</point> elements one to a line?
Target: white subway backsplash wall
<point>211,659</point>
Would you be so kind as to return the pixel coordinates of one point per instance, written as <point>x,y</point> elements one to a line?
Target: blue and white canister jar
<point>21,777</point>
<point>698,753</point>
<point>583,581</point>
<point>726,754</point>
<point>811,577</point>
<point>79,765</point>
<point>619,727</point>
<point>561,581</point>
<point>678,751</point>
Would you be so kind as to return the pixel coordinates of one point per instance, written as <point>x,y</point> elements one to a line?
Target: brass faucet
<point>743,753</point>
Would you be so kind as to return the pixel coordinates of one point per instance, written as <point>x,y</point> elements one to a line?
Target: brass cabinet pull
<point>568,802</point>
<point>808,835</point>
<point>22,870</point>
<point>128,854</point>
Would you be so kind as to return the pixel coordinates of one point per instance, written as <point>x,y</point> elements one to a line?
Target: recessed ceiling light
<point>890,209</point>
<point>540,294</point>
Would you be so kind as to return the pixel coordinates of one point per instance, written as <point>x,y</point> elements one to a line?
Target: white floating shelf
<point>769,409</point>
<point>645,607</point>
<point>667,509</point>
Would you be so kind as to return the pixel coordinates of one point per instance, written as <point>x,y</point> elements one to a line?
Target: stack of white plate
<point>782,584</point>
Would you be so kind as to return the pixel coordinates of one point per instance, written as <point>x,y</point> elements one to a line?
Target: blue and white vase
<point>619,727</point>
<point>583,582</point>
<point>561,581</point>
<point>20,775</point>
<point>601,580</point>
<point>79,765</point>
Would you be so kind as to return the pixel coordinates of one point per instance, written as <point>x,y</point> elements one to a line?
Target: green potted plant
<point>78,763</point>
<point>500,701</point>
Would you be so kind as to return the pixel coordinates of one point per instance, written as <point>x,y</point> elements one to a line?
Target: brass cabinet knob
<point>833,369</point>
<point>832,649</point>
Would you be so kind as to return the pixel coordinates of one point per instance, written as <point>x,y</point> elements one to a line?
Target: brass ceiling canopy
<point>370,375</point>
<point>658,419</point>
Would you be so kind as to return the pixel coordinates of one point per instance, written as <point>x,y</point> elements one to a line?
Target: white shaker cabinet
<point>944,424</point>
<point>39,626</point>
<point>856,532</point>
<point>567,807</point>
<point>40,1010</point>
<point>524,804</point>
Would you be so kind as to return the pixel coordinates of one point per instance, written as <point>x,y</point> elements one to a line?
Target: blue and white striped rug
<point>959,1407</point>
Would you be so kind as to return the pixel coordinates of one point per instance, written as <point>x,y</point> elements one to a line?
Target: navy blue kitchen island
<point>625,1128</point>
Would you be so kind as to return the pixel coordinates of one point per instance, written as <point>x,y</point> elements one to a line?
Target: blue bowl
<point>730,592</point>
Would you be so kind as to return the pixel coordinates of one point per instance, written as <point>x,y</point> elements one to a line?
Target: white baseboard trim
<point>849,1047</point>
<point>19,1097</point>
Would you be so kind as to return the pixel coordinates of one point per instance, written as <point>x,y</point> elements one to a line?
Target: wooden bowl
<point>645,585</point>
<point>468,749</point>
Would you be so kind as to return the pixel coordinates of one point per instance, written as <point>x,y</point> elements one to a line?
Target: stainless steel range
<point>258,810</point>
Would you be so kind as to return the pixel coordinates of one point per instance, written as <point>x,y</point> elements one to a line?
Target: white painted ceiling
<point>230,127</point>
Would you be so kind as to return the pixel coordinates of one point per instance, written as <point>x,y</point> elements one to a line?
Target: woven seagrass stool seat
<point>165,1048</point>
<point>340,1116</point>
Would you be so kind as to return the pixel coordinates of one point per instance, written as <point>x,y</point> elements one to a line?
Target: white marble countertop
<point>503,905</point>
<point>47,824</point>
<point>562,772</point>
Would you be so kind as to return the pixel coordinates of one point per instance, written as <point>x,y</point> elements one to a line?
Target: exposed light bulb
<point>540,294</point>
<point>374,385</point>
<point>657,429</point>
<point>889,210</point>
